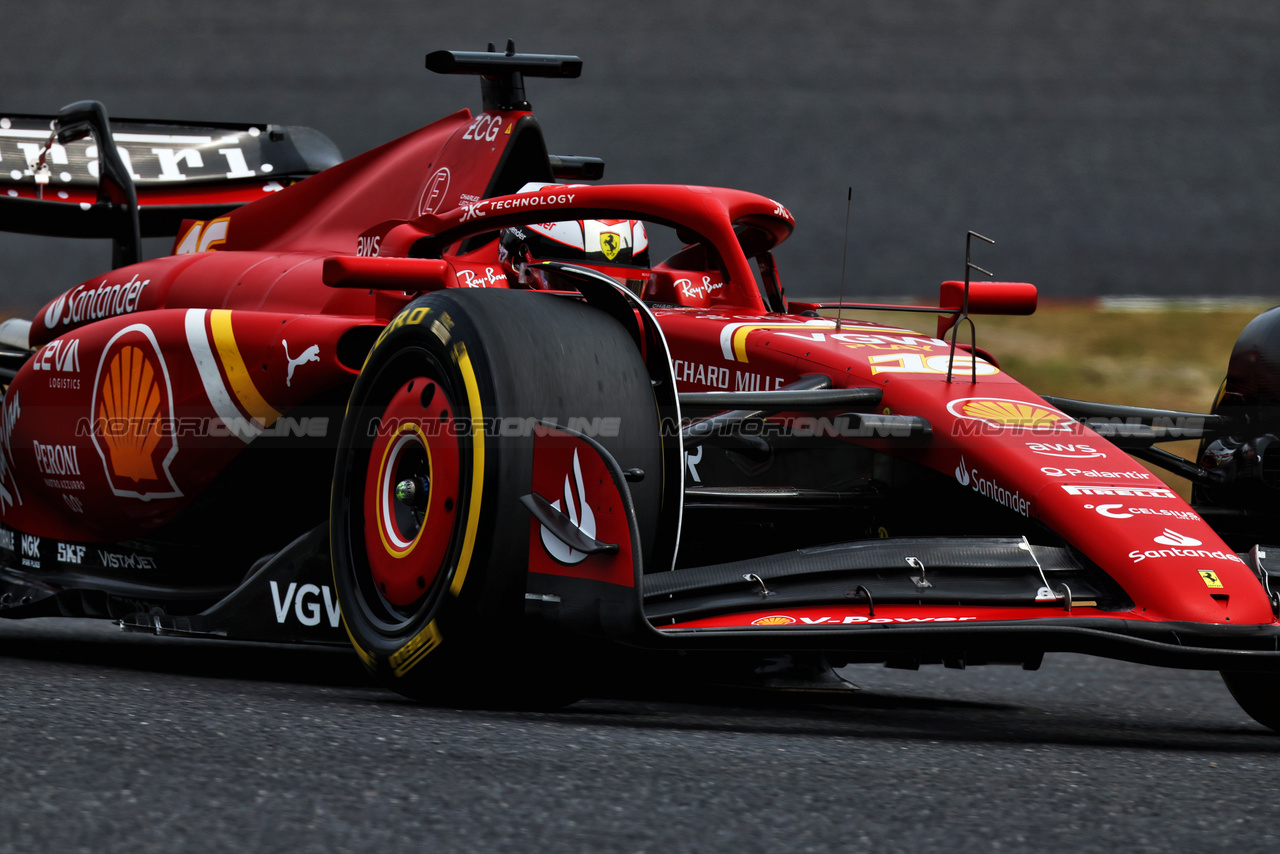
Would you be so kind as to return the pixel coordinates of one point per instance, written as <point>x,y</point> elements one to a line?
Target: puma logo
<point>311,354</point>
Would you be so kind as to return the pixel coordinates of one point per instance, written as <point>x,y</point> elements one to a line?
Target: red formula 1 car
<point>444,402</point>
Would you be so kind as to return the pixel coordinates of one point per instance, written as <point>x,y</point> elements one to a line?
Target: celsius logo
<point>1173,538</point>
<point>1118,511</point>
<point>962,473</point>
<point>585,521</point>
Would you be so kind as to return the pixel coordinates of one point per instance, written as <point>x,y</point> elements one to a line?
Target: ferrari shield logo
<point>1210,578</point>
<point>610,243</point>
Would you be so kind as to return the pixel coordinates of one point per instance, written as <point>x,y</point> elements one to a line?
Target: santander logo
<point>962,473</point>
<point>54,312</point>
<point>1173,538</point>
<point>584,520</point>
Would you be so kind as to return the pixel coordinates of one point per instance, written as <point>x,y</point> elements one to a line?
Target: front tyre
<point>428,536</point>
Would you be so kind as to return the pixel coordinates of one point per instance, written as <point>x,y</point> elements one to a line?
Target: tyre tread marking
<point>406,657</point>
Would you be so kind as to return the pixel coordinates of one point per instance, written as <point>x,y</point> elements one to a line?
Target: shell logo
<point>133,416</point>
<point>775,620</point>
<point>130,396</point>
<point>1014,414</point>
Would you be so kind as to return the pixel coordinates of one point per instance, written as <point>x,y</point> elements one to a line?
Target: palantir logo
<point>1173,538</point>
<point>584,520</point>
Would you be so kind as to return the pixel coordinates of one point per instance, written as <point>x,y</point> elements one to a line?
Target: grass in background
<point>1168,359</point>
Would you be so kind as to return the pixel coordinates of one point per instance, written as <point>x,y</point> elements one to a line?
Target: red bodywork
<point>240,335</point>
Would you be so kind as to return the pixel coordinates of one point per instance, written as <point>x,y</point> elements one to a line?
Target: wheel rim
<point>411,491</point>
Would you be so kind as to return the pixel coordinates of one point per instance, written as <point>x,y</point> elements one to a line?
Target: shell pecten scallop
<point>129,414</point>
<point>132,416</point>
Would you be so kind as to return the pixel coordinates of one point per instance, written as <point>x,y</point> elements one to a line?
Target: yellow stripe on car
<point>237,373</point>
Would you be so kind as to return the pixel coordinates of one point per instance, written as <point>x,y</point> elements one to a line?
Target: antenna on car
<point>964,310</point>
<point>502,74</point>
<point>844,257</point>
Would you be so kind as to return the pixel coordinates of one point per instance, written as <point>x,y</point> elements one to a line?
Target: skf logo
<point>1210,579</point>
<point>132,416</point>
<point>610,243</point>
<point>775,620</point>
<point>68,553</point>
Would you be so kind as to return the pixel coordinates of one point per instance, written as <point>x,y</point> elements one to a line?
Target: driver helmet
<point>615,247</point>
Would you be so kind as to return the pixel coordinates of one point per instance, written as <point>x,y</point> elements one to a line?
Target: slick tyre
<point>1258,694</point>
<point>430,541</point>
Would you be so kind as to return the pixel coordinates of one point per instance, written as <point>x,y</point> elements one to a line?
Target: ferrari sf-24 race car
<point>443,403</point>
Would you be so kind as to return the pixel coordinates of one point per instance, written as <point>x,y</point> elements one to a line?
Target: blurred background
<point>1109,148</point>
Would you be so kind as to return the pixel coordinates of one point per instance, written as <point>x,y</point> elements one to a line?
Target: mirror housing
<point>985,298</point>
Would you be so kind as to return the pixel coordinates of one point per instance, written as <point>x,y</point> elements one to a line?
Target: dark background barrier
<point>1109,148</point>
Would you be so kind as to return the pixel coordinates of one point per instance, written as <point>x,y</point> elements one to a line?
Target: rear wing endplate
<point>51,180</point>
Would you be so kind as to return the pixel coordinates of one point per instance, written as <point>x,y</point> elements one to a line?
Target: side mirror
<point>408,275</point>
<point>985,298</point>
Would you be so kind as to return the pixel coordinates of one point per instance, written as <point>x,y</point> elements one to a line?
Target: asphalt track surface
<point>119,742</point>
<point>1109,147</point>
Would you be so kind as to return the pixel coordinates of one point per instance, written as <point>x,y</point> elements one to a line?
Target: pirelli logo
<point>404,658</point>
<point>1127,491</point>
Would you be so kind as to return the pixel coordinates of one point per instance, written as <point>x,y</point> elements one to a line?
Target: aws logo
<point>132,416</point>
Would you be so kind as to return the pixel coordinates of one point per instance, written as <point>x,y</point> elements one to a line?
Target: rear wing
<point>56,174</point>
